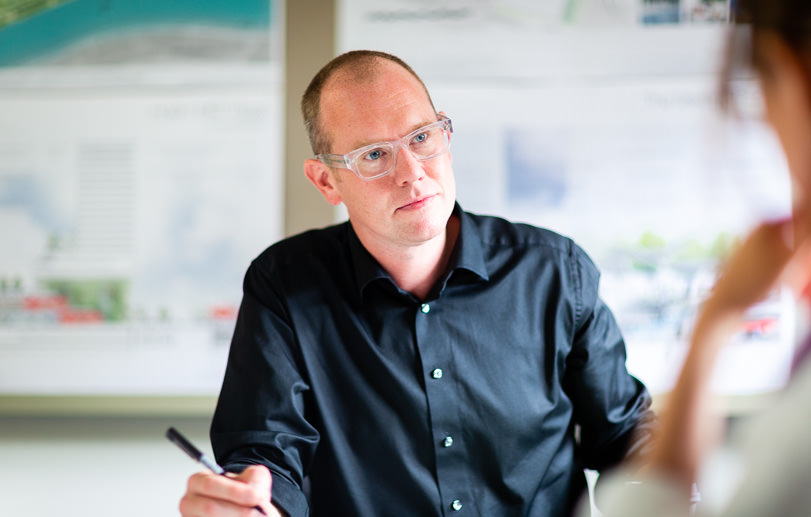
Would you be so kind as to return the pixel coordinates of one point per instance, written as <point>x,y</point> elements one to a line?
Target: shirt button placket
<point>440,398</point>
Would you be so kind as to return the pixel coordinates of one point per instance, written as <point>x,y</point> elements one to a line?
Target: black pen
<point>178,439</point>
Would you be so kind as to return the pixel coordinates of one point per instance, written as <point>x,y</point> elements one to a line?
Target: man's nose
<point>407,168</point>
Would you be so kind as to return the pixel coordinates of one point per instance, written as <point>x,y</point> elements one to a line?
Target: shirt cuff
<point>288,497</point>
<point>284,494</point>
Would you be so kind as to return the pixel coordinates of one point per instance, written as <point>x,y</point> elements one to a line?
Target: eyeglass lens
<point>425,143</point>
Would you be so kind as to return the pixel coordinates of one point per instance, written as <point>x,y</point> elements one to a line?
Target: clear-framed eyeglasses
<point>376,160</point>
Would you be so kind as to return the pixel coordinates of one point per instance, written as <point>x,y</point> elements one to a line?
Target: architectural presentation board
<point>140,172</point>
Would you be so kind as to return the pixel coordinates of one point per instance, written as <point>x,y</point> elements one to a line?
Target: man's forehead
<point>379,96</point>
<point>384,77</point>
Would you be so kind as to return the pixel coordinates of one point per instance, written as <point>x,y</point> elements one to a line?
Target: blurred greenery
<point>650,240</point>
<point>107,296</point>
<point>651,251</point>
<point>12,11</point>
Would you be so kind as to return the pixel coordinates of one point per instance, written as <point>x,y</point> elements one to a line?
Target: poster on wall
<point>600,120</point>
<point>525,41</point>
<point>140,172</point>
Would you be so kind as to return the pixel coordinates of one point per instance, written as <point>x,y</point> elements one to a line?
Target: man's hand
<point>234,495</point>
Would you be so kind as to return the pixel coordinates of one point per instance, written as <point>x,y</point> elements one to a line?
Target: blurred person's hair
<point>790,20</point>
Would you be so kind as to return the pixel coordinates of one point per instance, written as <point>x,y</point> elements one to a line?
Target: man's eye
<point>374,155</point>
<point>422,137</point>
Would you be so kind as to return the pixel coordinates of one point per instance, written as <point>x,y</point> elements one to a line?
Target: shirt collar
<point>366,268</point>
<point>467,254</point>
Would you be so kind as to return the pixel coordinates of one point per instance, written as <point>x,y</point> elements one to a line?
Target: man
<point>418,360</point>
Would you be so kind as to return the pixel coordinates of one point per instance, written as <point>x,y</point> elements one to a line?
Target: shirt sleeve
<point>260,414</point>
<point>611,407</point>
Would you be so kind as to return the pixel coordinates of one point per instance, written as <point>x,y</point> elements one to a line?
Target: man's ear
<point>324,180</point>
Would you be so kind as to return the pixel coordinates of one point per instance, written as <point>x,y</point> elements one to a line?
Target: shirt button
<point>456,505</point>
<point>437,373</point>
<point>425,308</point>
<point>448,441</point>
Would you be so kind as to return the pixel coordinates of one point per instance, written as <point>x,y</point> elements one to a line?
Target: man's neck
<point>417,269</point>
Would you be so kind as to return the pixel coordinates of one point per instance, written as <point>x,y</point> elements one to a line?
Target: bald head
<point>351,68</point>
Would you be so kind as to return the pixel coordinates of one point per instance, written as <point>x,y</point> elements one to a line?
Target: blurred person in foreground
<point>417,360</point>
<point>765,468</point>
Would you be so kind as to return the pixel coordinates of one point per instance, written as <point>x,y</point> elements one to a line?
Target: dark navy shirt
<point>487,398</point>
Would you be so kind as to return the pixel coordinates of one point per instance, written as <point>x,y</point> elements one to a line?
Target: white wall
<point>94,467</point>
